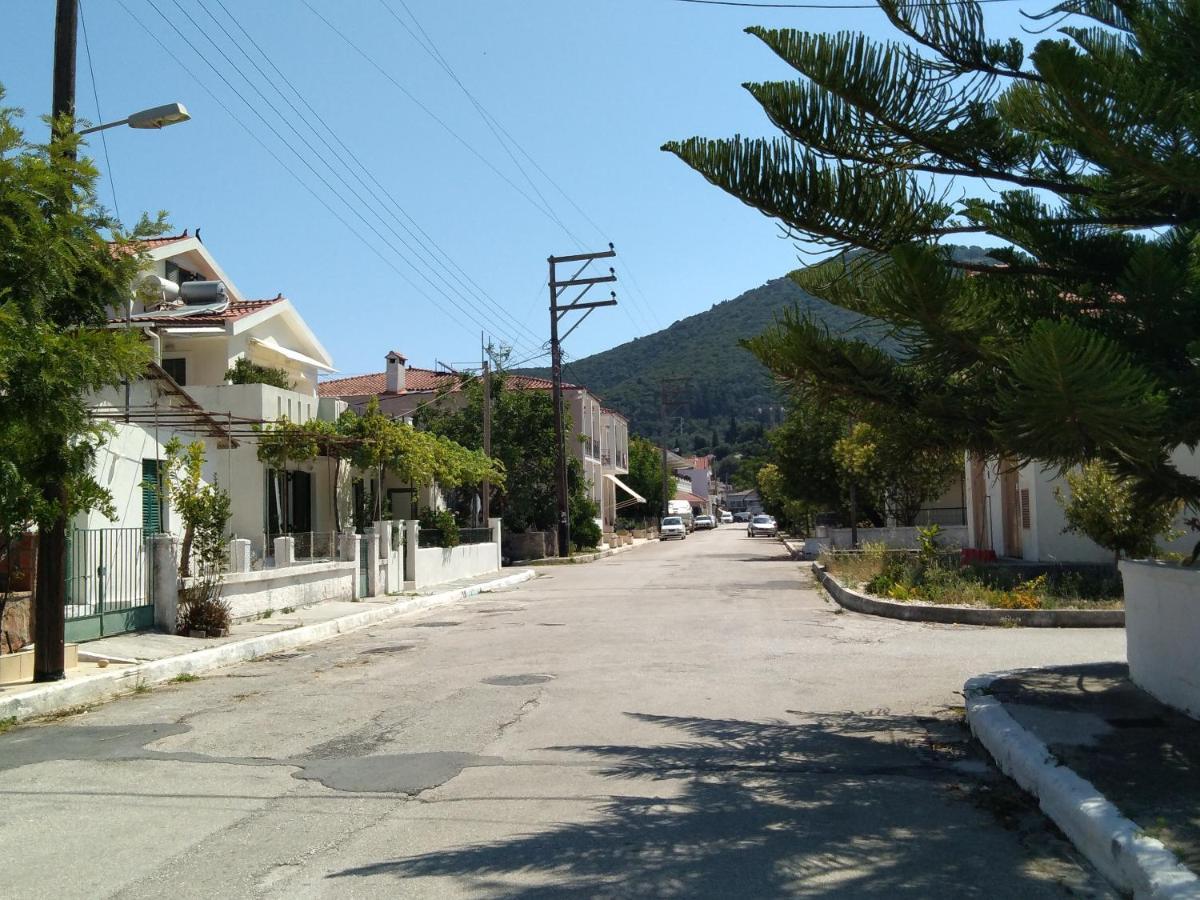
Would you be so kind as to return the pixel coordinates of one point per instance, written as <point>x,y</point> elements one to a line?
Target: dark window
<point>177,368</point>
<point>151,497</point>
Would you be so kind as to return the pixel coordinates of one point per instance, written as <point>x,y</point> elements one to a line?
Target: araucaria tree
<point>1077,336</point>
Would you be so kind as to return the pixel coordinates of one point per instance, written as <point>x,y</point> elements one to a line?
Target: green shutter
<point>151,512</point>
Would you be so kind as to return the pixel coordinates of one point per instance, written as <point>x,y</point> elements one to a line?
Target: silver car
<point>762,524</point>
<point>672,527</point>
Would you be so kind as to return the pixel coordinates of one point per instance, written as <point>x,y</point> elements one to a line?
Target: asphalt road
<point>690,719</point>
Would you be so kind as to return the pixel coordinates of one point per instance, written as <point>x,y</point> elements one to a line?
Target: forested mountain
<point>726,382</point>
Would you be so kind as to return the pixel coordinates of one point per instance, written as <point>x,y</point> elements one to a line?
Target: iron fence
<point>107,589</point>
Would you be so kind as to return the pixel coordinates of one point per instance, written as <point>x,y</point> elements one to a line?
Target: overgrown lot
<point>938,578</point>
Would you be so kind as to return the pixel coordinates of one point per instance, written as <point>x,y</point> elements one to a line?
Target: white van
<point>683,509</point>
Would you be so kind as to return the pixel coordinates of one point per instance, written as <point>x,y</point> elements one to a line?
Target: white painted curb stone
<point>48,698</point>
<point>1116,846</point>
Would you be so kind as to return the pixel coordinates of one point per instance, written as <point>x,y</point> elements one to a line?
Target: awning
<point>637,498</point>
<point>271,344</point>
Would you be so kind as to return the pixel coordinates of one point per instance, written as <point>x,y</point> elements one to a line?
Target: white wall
<point>253,593</point>
<point>436,565</point>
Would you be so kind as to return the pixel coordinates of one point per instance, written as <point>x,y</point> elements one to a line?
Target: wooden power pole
<point>49,621</point>
<point>557,311</point>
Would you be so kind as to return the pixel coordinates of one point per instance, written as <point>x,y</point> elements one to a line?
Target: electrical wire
<point>301,157</point>
<point>112,184</point>
<point>275,156</point>
<point>497,128</point>
<point>378,185</point>
<point>422,252</point>
<point>826,5</point>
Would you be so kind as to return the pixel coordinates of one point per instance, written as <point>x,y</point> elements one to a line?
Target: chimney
<point>395,373</point>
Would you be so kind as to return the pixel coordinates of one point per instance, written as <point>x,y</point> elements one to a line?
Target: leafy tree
<point>59,274</point>
<point>522,442</point>
<point>1103,507</point>
<point>646,477</point>
<point>1076,337</point>
<point>203,508</point>
<point>245,372</point>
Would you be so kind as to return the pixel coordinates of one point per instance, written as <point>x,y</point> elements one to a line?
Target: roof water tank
<point>203,293</point>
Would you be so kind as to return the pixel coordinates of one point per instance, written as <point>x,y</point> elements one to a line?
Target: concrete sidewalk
<point>1118,771</point>
<point>129,662</point>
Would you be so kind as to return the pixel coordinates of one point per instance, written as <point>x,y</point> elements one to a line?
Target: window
<point>176,367</point>
<point>151,497</point>
<point>1025,522</point>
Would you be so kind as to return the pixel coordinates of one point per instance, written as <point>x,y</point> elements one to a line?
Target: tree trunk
<point>49,624</point>
<point>185,551</point>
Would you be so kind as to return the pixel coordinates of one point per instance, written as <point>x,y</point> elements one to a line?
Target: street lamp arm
<point>155,117</point>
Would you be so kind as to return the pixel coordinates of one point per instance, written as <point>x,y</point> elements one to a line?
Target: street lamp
<point>155,117</point>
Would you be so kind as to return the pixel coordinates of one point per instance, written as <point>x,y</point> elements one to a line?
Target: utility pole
<point>486,498</point>
<point>669,391</point>
<point>49,621</point>
<point>557,311</point>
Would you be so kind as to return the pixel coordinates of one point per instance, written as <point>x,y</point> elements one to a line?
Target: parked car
<point>683,509</point>
<point>705,522</point>
<point>672,527</point>
<point>726,518</point>
<point>741,517</point>
<point>762,524</point>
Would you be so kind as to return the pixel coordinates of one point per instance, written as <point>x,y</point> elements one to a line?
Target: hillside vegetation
<point>726,381</point>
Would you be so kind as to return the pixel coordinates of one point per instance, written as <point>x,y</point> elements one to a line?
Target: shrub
<point>202,609</point>
<point>245,372</point>
<point>442,521</point>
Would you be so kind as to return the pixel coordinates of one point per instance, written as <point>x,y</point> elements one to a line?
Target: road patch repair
<point>245,642</point>
<point>1115,769</point>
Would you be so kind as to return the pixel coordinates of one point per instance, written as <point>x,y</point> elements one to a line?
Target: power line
<point>307,164</point>
<point>423,252</point>
<point>497,128</point>
<point>87,47</point>
<point>270,152</point>
<point>828,5</point>
<point>333,170</point>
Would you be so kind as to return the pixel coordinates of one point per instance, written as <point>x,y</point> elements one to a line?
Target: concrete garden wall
<point>436,565</point>
<point>1162,631</point>
<point>252,593</point>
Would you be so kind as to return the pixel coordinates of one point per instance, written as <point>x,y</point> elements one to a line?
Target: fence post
<point>372,534</point>
<point>285,551</point>
<point>164,583</point>
<point>239,555</point>
<point>411,528</point>
<point>494,524</point>
<point>348,553</point>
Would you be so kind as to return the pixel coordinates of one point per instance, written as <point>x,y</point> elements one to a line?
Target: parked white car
<point>672,527</point>
<point>705,522</point>
<point>762,524</point>
<point>726,518</point>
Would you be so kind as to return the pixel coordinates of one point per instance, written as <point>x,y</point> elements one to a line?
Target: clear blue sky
<point>589,89</point>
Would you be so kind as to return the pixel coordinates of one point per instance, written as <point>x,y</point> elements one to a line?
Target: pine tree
<point>1078,336</point>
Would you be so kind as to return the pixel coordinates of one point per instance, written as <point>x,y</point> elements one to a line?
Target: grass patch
<point>184,678</point>
<point>141,688</point>
<point>268,613</point>
<point>289,609</point>
<point>7,724</point>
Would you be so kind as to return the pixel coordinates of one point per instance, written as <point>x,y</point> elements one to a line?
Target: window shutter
<point>151,511</point>
<point>1025,509</point>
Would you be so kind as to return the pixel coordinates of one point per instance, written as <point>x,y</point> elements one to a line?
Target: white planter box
<point>1162,631</point>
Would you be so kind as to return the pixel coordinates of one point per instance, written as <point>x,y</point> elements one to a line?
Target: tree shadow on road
<point>842,805</point>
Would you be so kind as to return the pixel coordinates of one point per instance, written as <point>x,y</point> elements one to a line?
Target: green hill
<point>726,380</point>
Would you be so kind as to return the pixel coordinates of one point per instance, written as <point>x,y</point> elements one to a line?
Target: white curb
<point>1116,846</point>
<point>53,697</point>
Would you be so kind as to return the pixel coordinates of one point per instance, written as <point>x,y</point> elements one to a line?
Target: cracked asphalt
<point>691,719</point>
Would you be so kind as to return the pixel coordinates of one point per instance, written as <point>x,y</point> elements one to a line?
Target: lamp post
<point>50,597</point>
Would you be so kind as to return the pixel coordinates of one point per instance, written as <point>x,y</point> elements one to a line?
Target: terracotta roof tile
<point>235,311</point>
<point>418,381</point>
<point>149,243</point>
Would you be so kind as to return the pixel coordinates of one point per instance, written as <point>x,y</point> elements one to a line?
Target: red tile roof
<point>418,381</point>
<point>235,311</point>
<point>149,243</point>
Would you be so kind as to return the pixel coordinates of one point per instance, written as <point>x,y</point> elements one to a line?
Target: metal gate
<point>364,578</point>
<point>108,578</point>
